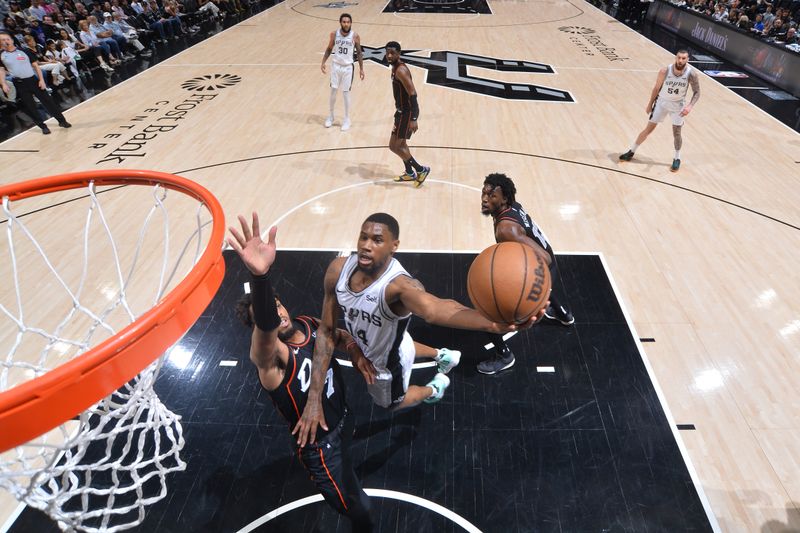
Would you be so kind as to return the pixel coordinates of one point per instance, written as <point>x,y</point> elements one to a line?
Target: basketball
<point>508,283</point>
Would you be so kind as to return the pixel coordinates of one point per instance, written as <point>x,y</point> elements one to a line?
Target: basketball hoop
<point>85,438</point>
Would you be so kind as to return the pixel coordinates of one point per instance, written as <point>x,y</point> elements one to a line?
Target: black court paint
<point>459,7</point>
<point>587,448</point>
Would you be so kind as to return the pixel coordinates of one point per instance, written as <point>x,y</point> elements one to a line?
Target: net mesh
<point>100,470</point>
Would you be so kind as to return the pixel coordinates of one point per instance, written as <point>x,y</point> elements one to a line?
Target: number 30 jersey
<point>290,397</point>
<point>343,47</point>
<point>377,330</point>
<point>675,87</point>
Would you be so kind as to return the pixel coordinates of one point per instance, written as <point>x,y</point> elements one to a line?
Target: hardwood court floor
<point>704,259</point>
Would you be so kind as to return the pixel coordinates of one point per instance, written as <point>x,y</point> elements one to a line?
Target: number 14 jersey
<point>377,330</point>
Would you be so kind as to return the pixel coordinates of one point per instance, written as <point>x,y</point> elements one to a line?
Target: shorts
<point>390,387</point>
<point>662,108</point>
<point>342,76</point>
<point>402,124</point>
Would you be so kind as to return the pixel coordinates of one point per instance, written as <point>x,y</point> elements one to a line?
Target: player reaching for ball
<point>377,298</point>
<point>281,349</point>
<point>513,224</point>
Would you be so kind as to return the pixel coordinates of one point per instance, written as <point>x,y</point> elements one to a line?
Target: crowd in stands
<point>64,31</point>
<point>775,22</point>
<point>74,40</point>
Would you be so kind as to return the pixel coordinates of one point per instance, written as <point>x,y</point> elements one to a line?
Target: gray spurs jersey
<point>377,330</point>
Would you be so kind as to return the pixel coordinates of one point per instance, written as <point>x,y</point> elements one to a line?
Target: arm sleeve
<point>265,313</point>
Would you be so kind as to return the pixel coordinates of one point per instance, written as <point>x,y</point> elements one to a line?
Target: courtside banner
<point>772,62</point>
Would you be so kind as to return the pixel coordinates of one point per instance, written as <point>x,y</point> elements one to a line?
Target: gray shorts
<point>388,392</point>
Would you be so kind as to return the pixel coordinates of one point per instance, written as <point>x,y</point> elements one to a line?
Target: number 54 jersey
<point>290,397</point>
<point>377,330</point>
<point>675,87</point>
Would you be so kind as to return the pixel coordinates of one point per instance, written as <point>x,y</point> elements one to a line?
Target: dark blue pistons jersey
<point>290,397</point>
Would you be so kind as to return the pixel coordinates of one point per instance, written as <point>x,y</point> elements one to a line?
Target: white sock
<point>346,97</point>
<point>634,146</point>
<point>332,101</point>
<point>438,355</point>
<point>677,154</point>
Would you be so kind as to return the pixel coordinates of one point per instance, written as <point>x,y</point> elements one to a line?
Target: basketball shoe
<point>405,176</point>
<point>447,360</point>
<point>627,156</point>
<point>329,122</point>
<point>421,175</point>
<point>676,164</point>
<point>561,314</point>
<point>439,384</point>
<point>346,124</point>
<point>500,361</point>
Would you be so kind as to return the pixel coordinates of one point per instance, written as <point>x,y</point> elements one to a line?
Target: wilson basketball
<point>508,282</point>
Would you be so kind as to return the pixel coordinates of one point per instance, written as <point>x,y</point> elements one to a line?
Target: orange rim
<point>41,404</point>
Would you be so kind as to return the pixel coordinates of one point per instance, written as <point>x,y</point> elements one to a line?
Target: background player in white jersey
<point>342,44</point>
<point>669,98</point>
<point>377,298</point>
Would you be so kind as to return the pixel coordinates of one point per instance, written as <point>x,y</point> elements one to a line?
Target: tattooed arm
<point>313,416</point>
<point>694,81</point>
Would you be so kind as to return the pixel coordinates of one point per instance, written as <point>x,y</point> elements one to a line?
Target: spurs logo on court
<point>211,82</point>
<point>337,5</point>
<point>576,29</point>
<point>449,69</point>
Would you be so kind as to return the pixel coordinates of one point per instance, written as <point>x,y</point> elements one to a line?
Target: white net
<point>98,471</point>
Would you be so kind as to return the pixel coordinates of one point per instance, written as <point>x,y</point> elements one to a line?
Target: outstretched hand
<point>505,328</point>
<point>535,318</point>
<point>256,254</point>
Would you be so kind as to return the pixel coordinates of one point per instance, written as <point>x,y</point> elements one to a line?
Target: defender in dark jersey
<point>512,223</point>
<point>405,116</point>
<point>282,349</point>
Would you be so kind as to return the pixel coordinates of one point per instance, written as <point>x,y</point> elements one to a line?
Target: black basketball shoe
<point>561,314</point>
<point>498,362</point>
<point>627,156</point>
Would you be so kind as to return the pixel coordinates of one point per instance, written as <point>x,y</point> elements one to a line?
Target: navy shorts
<point>402,124</point>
